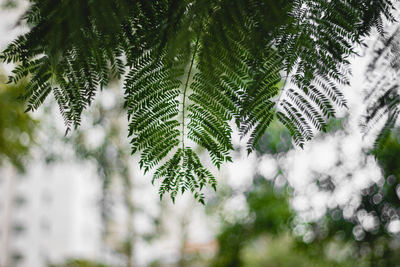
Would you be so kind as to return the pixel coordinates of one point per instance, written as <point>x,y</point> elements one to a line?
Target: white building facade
<point>49,214</point>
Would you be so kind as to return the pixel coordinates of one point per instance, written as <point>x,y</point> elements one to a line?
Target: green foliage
<point>193,67</point>
<point>375,245</point>
<point>269,214</point>
<point>17,129</point>
<point>264,238</point>
<point>281,251</point>
<point>78,263</point>
<point>275,140</point>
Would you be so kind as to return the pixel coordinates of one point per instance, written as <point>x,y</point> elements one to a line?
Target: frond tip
<point>184,172</point>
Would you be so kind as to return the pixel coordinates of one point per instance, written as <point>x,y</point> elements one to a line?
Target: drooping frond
<point>374,13</point>
<point>315,62</point>
<point>382,97</point>
<point>151,93</point>
<point>156,90</point>
<point>193,67</point>
<point>216,87</point>
<point>71,51</point>
<point>258,106</point>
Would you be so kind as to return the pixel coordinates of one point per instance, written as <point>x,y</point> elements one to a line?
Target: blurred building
<point>49,215</point>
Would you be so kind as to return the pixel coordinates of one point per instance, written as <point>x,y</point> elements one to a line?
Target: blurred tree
<point>79,263</point>
<point>264,236</point>
<point>370,237</point>
<point>268,214</point>
<point>373,231</point>
<point>110,153</point>
<point>17,128</point>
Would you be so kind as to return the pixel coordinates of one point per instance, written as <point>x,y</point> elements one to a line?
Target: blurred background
<point>81,200</point>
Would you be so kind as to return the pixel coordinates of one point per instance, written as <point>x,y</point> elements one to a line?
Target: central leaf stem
<point>185,90</point>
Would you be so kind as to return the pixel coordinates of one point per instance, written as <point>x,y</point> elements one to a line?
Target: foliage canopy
<point>190,67</point>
